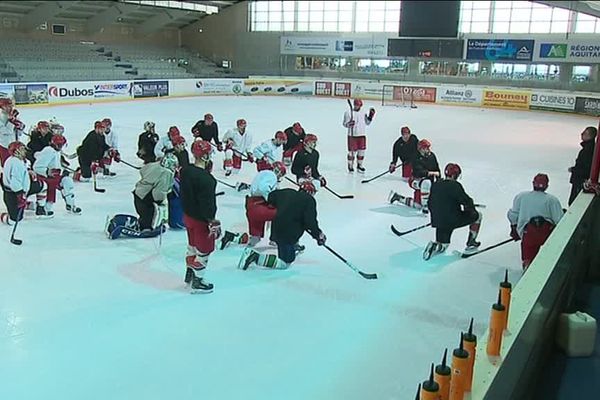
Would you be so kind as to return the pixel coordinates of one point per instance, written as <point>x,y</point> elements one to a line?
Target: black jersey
<point>302,159</point>
<point>198,193</point>
<point>296,213</point>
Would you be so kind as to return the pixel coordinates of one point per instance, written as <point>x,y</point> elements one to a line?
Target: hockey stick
<point>240,155</point>
<point>219,194</point>
<point>130,165</point>
<point>69,156</point>
<point>96,188</point>
<point>467,255</point>
<point>377,176</point>
<point>14,241</point>
<point>348,196</point>
<point>363,274</point>
<point>399,233</point>
<point>225,183</point>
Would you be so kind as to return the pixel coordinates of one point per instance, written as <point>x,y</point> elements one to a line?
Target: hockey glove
<point>351,123</point>
<point>250,157</point>
<point>323,181</point>
<point>214,229</point>
<point>54,173</point>
<point>21,200</point>
<point>392,168</point>
<point>514,234</point>
<point>321,239</point>
<point>371,114</point>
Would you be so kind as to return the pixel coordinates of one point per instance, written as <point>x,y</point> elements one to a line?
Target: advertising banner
<point>375,45</point>
<point>323,88</point>
<point>367,90</point>
<point>36,93</point>
<point>63,92</point>
<point>570,51</point>
<point>499,49</point>
<point>552,101</point>
<point>205,87</point>
<point>588,105</point>
<point>422,94</point>
<point>459,96</point>
<point>342,89</point>
<point>113,90</point>
<point>143,89</point>
<point>278,87</point>
<point>508,99</point>
<point>7,91</point>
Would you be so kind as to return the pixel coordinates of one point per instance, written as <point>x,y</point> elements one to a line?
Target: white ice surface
<point>83,317</point>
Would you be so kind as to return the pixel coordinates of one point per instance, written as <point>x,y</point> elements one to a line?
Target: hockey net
<point>399,96</point>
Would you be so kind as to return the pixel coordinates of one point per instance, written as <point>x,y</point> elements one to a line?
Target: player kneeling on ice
<point>237,145</point>
<point>174,196</point>
<point>532,218</point>
<point>18,183</point>
<point>258,210</point>
<point>296,213</point>
<point>199,212</point>
<point>451,208</point>
<point>149,200</point>
<point>295,138</point>
<point>306,163</point>
<point>270,151</point>
<point>112,141</point>
<point>165,144</point>
<point>39,138</point>
<point>90,151</point>
<point>425,170</point>
<point>47,166</point>
<point>405,149</point>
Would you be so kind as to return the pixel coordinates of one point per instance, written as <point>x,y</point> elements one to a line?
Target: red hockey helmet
<point>43,125</point>
<point>208,116</point>
<point>423,144</point>
<point>279,169</point>
<point>310,138</point>
<point>58,141</point>
<point>173,131</point>
<point>200,148</point>
<point>452,170</point>
<point>358,103</point>
<point>99,125</point>
<point>14,147</point>
<point>178,140</point>
<point>540,182</point>
<point>281,136</point>
<point>297,127</point>
<point>107,122</point>
<point>241,123</point>
<point>308,187</point>
<point>405,130</point>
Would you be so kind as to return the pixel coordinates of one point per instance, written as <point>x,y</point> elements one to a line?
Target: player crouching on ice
<point>91,151</point>
<point>451,208</point>
<point>237,145</point>
<point>270,151</point>
<point>296,213</point>
<point>306,164</point>
<point>18,183</point>
<point>405,149</point>
<point>425,170</point>
<point>47,166</point>
<point>149,199</point>
<point>295,138</point>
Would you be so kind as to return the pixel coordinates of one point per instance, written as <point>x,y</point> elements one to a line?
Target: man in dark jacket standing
<point>580,172</point>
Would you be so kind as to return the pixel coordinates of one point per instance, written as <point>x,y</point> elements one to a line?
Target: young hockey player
<point>174,196</point>
<point>425,170</point>
<point>237,145</point>
<point>200,208</point>
<point>533,216</point>
<point>147,139</point>
<point>48,168</point>
<point>18,185</point>
<point>165,143</point>
<point>112,141</point>
<point>269,151</point>
<point>258,211</point>
<point>580,172</point>
<point>208,130</point>
<point>180,152</point>
<point>295,137</point>
<point>90,151</point>
<point>405,149</point>
<point>39,138</point>
<point>11,128</point>
<point>451,208</point>
<point>296,213</point>
<point>356,121</point>
<point>306,163</point>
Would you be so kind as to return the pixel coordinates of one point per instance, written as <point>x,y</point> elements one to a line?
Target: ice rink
<point>84,317</point>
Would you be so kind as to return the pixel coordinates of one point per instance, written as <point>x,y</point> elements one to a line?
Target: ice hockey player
<point>451,208</point>
<point>90,151</point>
<point>112,141</point>
<point>258,211</point>
<point>200,208</point>
<point>580,172</point>
<point>425,170</point>
<point>295,137</point>
<point>208,130</point>
<point>356,121</point>
<point>174,196</point>
<point>306,163</point>
<point>18,185</point>
<point>165,143</point>
<point>147,139</point>
<point>269,151</point>
<point>180,151</point>
<point>405,149</point>
<point>11,128</point>
<point>38,139</point>
<point>533,216</point>
<point>296,213</point>
<point>47,166</point>
<point>238,143</point>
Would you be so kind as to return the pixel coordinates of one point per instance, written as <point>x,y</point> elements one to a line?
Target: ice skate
<point>189,276</point>
<point>227,237</point>
<point>361,169</point>
<point>73,209</point>
<point>248,258</point>
<point>429,250</point>
<point>199,285</point>
<point>393,196</point>
<point>42,213</point>
<point>472,246</point>
<point>298,248</point>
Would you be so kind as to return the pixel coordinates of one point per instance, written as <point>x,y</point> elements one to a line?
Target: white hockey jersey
<point>163,144</point>
<point>361,121</point>
<point>263,184</point>
<point>15,176</point>
<point>527,205</point>
<point>241,143</point>
<point>111,139</point>
<point>269,150</point>
<point>7,133</point>
<point>46,159</point>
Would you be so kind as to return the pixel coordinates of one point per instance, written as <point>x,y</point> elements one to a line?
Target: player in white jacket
<point>48,169</point>
<point>356,121</point>
<point>270,151</point>
<point>10,127</point>
<point>238,143</point>
<point>18,185</point>
<point>165,143</point>
<point>533,217</point>
<point>112,141</point>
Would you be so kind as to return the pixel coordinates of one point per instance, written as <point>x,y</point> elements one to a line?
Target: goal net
<point>399,96</point>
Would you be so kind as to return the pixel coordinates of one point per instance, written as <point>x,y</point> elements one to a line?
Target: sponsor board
<point>323,88</point>
<point>143,89</point>
<point>570,51</point>
<point>342,89</point>
<point>113,90</point>
<point>506,99</point>
<point>421,94</point>
<point>277,87</point>
<point>68,92</point>
<point>367,90</point>
<point>499,49</point>
<point>36,93</point>
<point>376,45</point>
<point>588,105</point>
<point>7,91</point>
<point>218,86</point>
<point>459,95</point>
<point>552,101</point>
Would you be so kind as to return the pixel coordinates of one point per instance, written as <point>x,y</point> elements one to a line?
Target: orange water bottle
<point>430,390</point>
<point>496,327</point>
<point>442,377</point>
<point>460,366</point>
<point>470,345</point>
<point>506,289</point>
